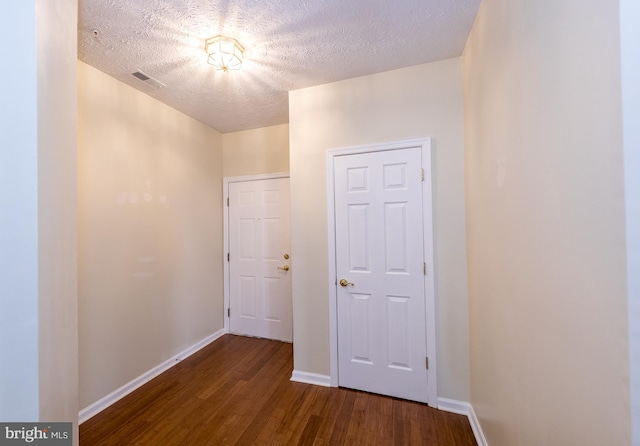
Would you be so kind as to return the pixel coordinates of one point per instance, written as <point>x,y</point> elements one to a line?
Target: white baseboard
<point>311,378</point>
<point>123,391</point>
<point>464,408</point>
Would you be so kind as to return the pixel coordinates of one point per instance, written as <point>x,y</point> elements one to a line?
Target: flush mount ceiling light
<point>224,53</point>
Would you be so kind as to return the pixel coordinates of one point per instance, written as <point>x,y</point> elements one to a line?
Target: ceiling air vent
<point>148,80</point>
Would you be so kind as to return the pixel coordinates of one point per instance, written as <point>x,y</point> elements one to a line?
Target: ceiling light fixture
<point>224,53</point>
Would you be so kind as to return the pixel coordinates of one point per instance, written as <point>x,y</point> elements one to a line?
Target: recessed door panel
<point>360,334</point>
<point>273,299</point>
<point>248,297</point>
<point>395,237</point>
<point>357,179</point>
<point>246,198</point>
<point>272,240</point>
<point>272,197</point>
<point>359,237</point>
<point>395,176</point>
<point>247,238</point>
<point>398,329</point>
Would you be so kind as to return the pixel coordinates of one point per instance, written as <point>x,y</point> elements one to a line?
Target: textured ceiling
<point>289,44</point>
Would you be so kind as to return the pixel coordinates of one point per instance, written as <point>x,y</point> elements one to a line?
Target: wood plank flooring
<point>236,391</point>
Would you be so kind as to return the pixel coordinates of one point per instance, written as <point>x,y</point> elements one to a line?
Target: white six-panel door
<point>380,257</point>
<point>259,273</point>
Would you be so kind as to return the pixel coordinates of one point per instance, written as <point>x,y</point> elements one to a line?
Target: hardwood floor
<point>237,391</point>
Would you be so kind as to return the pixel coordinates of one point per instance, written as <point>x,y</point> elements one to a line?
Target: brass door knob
<point>345,282</point>
<point>284,268</point>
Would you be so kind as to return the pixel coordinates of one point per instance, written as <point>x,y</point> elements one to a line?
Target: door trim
<point>426,149</point>
<point>225,229</point>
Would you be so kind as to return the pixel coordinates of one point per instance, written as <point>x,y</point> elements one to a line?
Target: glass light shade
<point>224,53</point>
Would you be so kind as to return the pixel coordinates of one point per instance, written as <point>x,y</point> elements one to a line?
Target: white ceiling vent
<point>148,80</point>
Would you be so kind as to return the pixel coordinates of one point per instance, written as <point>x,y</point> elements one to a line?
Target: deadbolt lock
<point>286,256</point>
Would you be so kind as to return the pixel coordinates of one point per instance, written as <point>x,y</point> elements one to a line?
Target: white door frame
<point>225,229</point>
<point>425,146</point>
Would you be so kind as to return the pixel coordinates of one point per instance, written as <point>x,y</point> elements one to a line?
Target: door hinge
<point>229,315</point>
<point>427,362</point>
<point>421,174</point>
<point>227,201</point>
<point>228,257</point>
<point>424,268</point>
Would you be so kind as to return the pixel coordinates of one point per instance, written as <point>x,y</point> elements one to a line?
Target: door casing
<point>427,190</point>
<point>225,229</point>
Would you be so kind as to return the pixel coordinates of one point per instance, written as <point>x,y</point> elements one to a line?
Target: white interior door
<point>259,262</point>
<point>380,259</point>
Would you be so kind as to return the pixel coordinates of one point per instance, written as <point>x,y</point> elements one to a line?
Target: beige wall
<point>251,152</point>
<point>57,205</point>
<point>545,223</point>
<point>414,102</point>
<point>150,233</point>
